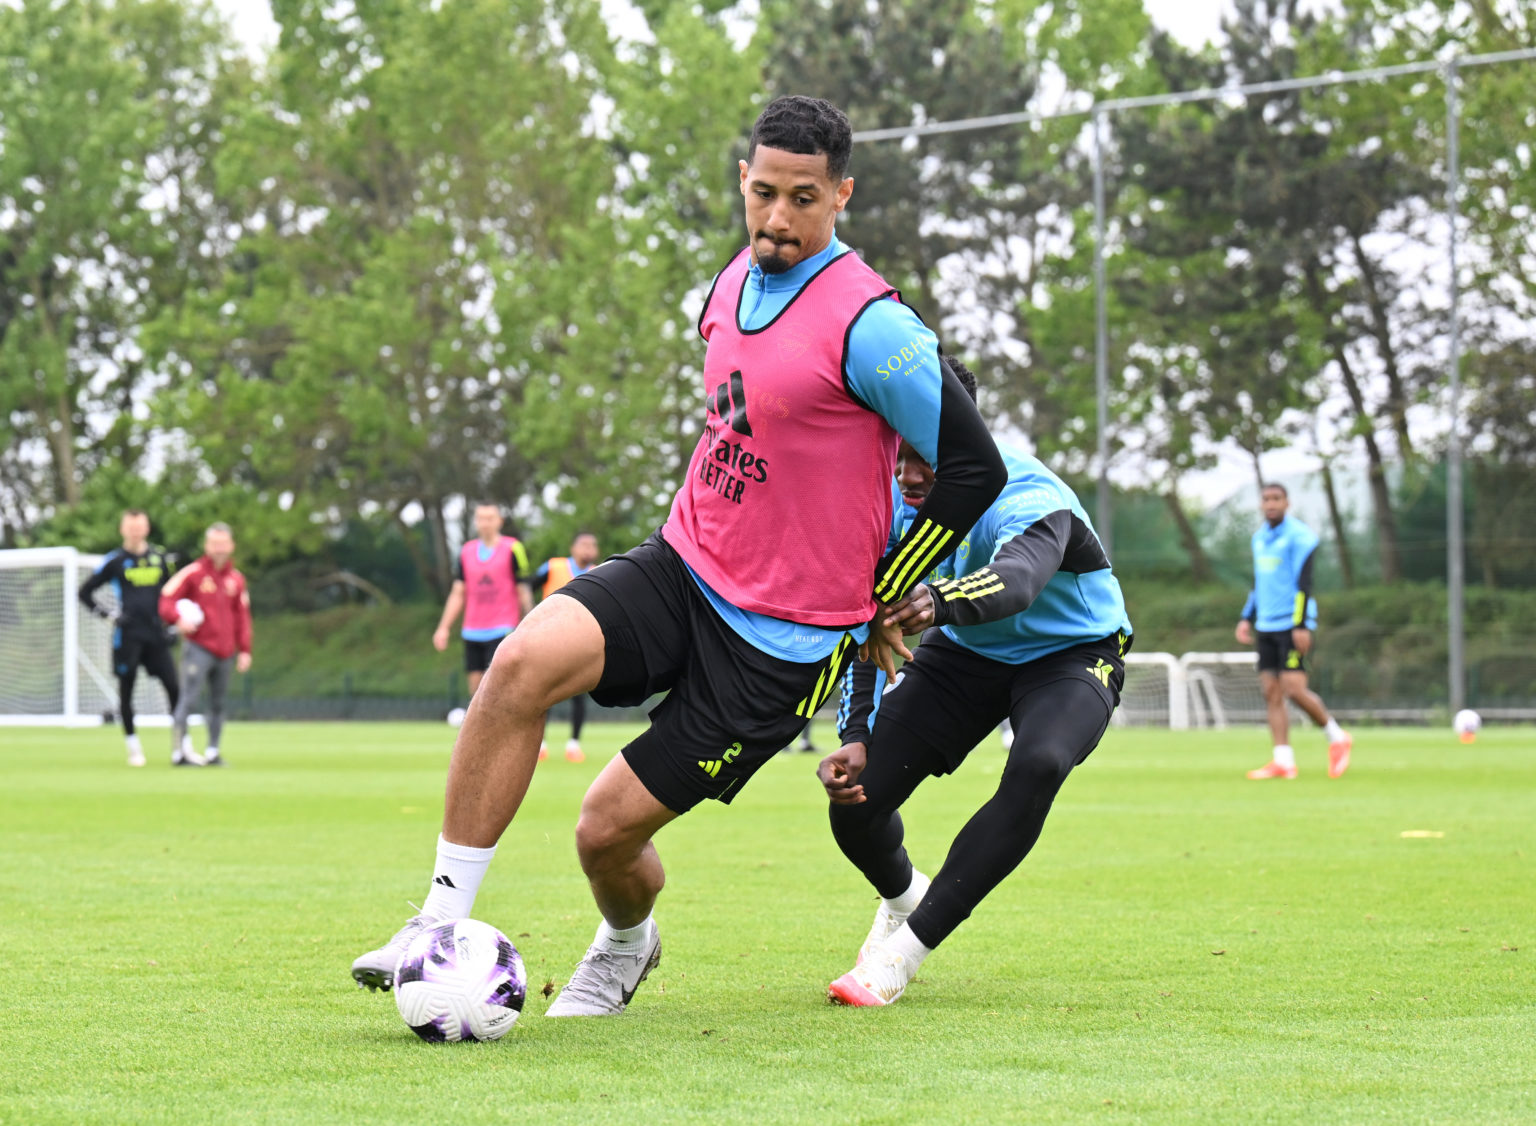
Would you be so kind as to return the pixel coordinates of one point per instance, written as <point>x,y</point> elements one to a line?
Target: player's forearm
<point>87,594</point>
<point>525,598</point>
<point>1250,608</point>
<point>861,688</point>
<point>967,478</point>
<point>451,609</point>
<point>1299,617</point>
<point>1013,580</point>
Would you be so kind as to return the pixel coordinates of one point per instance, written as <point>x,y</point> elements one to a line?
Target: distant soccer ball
<point>189,613</point>
<point>460,980</point>
<point>1466,724</point>
<point>456,717</point>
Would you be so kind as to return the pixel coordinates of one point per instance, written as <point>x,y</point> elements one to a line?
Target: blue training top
<point>1281,598</point>
<point>1071,609</point>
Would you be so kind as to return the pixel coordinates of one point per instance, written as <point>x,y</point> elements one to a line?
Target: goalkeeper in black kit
<point>136,572</point>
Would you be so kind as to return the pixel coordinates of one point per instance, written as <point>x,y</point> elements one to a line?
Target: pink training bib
<point>787,502</point>
<point>490,591</point>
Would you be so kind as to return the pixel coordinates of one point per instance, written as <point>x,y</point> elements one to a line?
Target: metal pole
<point>1103,513</point>
<point>1455,570</point>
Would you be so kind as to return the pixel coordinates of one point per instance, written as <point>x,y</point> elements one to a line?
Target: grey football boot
<point>605,980</point>
<point>376,969</point>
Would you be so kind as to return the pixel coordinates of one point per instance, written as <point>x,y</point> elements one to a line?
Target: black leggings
<point>1057,726</point>
<point>578,714</point>
<point>155,660</point>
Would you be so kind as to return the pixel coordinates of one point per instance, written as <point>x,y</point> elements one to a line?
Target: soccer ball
<point>456,717</point>
<point>1466,724</point>
<point>189,613</point>
<point>460,980</point>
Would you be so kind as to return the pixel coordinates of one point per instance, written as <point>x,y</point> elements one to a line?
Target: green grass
<point>1182,946</point>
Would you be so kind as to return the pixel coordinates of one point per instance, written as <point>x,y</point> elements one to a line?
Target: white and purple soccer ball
<point>460,980</point>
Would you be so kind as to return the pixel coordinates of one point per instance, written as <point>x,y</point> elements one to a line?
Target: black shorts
<point>478,654</point>
<point>134,651</point>
<point>1277,653</point>
<point>729,707</point>
<point>952,698</point>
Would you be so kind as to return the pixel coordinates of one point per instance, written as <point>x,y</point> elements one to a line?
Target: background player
<point>137,572</point>
<point>1279,618</point>
<point>490,585</point>
<point>551,576</point>
<point>732,608</point>
<point>1032,625</point>
<point>218,643</point>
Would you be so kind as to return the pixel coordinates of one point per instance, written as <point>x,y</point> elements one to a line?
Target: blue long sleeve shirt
<point>1281,597</point>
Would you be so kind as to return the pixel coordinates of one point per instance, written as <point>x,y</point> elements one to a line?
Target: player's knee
<point>850,822</point>
<point>1041,772</point>
<point>603,843</point>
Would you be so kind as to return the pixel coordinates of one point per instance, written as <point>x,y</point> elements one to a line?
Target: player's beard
<point>772,262</point>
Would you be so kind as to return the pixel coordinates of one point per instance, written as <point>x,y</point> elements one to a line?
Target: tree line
<point>421,253</point>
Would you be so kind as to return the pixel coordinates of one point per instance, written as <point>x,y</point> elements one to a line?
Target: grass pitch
<point>1183,945</point>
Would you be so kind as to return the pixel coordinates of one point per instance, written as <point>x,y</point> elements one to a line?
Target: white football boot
<point>185,755</point>
<point>888,922</point>
<point>605,980</point>
<point>879,979</point>
<point>376,969</point>
<point>135,751</point>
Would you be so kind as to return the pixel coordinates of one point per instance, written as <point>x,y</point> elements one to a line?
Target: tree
<point>112,114</point>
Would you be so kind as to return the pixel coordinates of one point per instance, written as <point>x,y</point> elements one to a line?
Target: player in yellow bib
<point>554,574</point>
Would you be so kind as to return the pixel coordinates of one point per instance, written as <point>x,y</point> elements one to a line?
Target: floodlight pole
<point>1455,547</point>
<point>1103,518</point>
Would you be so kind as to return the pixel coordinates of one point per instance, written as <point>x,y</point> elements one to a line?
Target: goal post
<point>1191,690</point>
<point>55,658</point>
<point>1154,694</point>
<point>1223,689</point>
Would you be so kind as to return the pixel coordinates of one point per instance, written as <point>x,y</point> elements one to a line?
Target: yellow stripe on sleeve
<point>920,564</point>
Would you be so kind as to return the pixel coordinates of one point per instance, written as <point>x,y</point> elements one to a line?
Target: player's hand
<point>1301,640</point>
<point>884,642</point>
<point>440,638</point>
<point>914,613</point>
<point>839,773</point>
<point>243,663</point>
<point>1245,632</point>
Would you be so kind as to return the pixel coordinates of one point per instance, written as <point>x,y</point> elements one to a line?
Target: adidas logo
<point>712,766</point>
<point>445,881</point>
<point>1102,671</point>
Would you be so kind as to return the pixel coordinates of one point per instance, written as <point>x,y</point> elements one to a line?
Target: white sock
<point>630,940</point>
<point>456,879</point>
<point>134,745</point>
<point>1332,729</point>
<point>1285,756</point>
<point>905,943</point>
<point>907,901</point>
<point>212,751</point>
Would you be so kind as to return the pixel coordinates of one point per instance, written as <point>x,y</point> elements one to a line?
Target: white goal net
<point>1194,690</point>
<point>56,656</point>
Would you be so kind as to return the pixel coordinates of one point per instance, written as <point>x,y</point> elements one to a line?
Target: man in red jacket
<point>209,606</point>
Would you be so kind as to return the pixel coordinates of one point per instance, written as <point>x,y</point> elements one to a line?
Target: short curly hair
<point>964,374</point>
<point>810,126</point>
